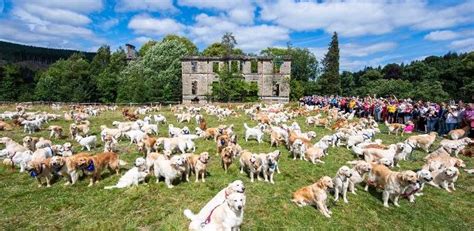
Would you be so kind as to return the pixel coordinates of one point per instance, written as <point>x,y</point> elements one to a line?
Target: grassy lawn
<point>154,206</point>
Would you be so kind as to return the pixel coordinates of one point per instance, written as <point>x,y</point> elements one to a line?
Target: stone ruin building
<point>271,75</point>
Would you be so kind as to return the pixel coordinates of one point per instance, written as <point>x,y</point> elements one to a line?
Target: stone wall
<point>267,81</point>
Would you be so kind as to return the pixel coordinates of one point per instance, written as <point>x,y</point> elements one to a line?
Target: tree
<point>330,79</point>
<point>233,87</point>
<point>107,81</point>
<point>145,47</point>
<point>190,46</point>
<point>229,42</point>
<point>156,76</point>
<point>67,80</point>
<point>219,50</point>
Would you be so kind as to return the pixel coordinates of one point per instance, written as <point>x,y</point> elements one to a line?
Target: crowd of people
<point>421,116</point>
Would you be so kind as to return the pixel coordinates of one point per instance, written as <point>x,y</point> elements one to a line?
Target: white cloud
<point>107,24</point>
<point>357,50</point>
<point>441,35</point>
<point>145,5</point>
<point>250,38</point>
<point>147,25</point>
<point>55,15</point>
<point>84,6</point>
<point>141,40</point>
<point>238,11</point>
<point>463,45</point>
<point>356,18</point>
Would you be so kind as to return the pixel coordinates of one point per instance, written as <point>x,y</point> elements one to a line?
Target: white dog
<point>341,183</point>
<point>169,169</point>
<point>200,218</point>
<point>135,136</point>
<point>87,142</point>
<point>255,132</point>
<point>133,176</point>
<point>20,158</point>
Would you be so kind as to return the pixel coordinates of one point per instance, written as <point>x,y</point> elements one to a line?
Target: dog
<point>459,133</point>
<point>393,183</point>
<point>198,219</point>
<point>56,131</point>
<point>82,128</point>
<point>19,159</point>
<point>395,128</point>
<point>169,169</point>
<point>315,194</point>
<point>455,146</point>
<point>373,154</point>
<point>341,183</point>
<point>94,165</point>
<point>86,142</point>
<point>133,176</point>
<point>30,142</point>
<point>226,216</point>
<point>255,132</point>
<point>227,156</point>
<point>360,169</point>
<point>424,176</point>
<point>269,164</point>
<point>135,136</point>
<point>110,144</point>
<point>445,178</point>
<point>175,144</point>
<point>198,164</point>
<point>440,162</point>
<point>252,163</point>
<point>423,141</point>
<point>67,166</point>
<point>313,154</point>
<point>31,126</point>
<point>40,170</point>
<point>113,132</point>
<point>152,157</point>
<point>4,126</point>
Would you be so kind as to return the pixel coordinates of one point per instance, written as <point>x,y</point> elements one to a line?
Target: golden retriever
<point>315,194</point>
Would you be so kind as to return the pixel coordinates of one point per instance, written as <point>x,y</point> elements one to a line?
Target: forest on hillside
<point>106,76</point>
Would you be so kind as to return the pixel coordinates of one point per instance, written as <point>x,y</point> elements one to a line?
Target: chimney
<point>131,52</point>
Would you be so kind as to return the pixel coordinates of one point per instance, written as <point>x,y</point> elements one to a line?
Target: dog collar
<point>90,167</point>
<point>33,173</point>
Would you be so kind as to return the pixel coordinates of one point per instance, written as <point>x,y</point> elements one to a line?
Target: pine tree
<point>330,81</point>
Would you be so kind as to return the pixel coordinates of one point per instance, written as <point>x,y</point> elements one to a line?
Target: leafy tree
<point>229,42</point>
<point>146,46</point>
<point>233,87</point>
<point>219,50</point>
<point>67,80</point>
<point>107,81</point>
<point>430,90</point>
<point>8,87</point>
<point>155,77</point>
<point>330,79</point>
<point>190,46</point>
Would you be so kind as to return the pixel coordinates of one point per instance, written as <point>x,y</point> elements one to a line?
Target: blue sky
<point>371,32</point>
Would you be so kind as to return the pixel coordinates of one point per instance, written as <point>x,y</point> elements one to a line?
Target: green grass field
<point>25,206</point>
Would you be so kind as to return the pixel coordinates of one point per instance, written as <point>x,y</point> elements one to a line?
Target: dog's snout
<point>239,207</point>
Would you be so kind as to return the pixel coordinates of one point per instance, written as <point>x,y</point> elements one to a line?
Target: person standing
<point>451,119</point>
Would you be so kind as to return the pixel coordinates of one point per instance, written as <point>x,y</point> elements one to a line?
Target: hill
<point>34,57</point>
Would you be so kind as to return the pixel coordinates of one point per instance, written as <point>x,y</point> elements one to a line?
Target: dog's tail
<point>386,123</point>
<point>190,215</point>
<point>246,126</point>
<point>110,187</point>
<point>122,163</point>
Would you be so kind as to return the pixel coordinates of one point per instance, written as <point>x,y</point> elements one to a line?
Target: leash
<point>411,193</point>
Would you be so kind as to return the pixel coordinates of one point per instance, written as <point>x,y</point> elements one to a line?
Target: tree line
<point>156,75</point>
